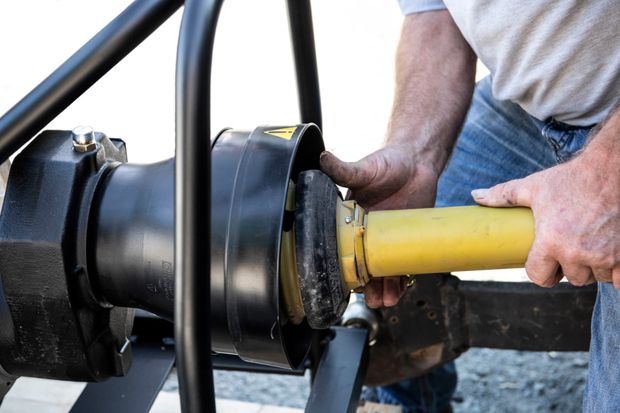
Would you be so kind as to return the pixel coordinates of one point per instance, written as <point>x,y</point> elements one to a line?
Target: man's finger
<point>616,277</point>
<point>542,269</point>
<point>391,291</point>
<point>373,293</point>
<point>511,193</point>
<point>578,275</point>
<point>602,274</point>
<point>348,174</point>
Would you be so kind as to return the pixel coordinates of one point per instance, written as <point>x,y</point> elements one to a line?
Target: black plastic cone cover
<point>250,176</point>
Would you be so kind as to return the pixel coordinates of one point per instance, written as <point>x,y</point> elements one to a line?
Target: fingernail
<point>479,193</point>
<point>325,158</point>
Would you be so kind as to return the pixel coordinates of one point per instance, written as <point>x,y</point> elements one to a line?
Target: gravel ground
<point>489,381</point>
<point>515,381</point>
<point>272,389</point>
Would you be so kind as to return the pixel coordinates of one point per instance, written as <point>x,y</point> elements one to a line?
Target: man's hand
<point>391,178</point>
<point>576,209</point>
<point>430,102</point>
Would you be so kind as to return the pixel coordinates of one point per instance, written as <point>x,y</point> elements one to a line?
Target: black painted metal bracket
<point>135,392</point>
<point>338,381</point>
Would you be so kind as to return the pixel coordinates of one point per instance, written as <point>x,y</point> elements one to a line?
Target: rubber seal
<point>322,292</point>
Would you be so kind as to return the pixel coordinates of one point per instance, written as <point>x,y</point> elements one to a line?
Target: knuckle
<point>532,265</point>
<point>541,270</point>
<point>602,260</point>
<point>544,246</point>
<point>570,255</point>
<point>511,195</point>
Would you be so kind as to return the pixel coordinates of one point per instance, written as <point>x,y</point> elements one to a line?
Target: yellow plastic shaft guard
<point>434,240</point>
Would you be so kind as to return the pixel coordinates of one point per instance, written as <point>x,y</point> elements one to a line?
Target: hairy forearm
<point>435,71</point>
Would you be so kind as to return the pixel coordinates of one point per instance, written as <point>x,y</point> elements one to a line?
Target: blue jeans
<point>499,142</point>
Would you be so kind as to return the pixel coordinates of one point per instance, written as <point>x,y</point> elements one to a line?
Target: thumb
<point>511,193</point>
<point>348,174</point>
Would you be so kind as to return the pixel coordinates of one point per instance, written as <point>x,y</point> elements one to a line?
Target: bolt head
<point>83,139</point>
<point>348,219</point>
<point>83,135</point>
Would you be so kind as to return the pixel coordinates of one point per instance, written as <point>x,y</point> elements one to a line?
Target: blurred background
<point>254,84</point>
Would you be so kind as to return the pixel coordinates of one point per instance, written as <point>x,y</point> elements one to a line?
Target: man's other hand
<point>576,207</point>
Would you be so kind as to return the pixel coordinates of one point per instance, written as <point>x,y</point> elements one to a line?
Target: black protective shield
<point>250,176</point>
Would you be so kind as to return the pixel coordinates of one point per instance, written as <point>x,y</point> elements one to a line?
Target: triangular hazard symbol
<point>284,133</point>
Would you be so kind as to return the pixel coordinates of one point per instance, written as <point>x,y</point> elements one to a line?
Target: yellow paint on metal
<point>350,234</point>
<point>289,282</point>
<point>284,133</point>
<point>345,231</point>
<point>426,241</point>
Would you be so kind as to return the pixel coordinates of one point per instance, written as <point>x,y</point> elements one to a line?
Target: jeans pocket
<point>573,142</point>
<point>565,140</point>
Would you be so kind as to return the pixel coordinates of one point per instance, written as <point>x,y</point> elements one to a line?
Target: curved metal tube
<point>193,205</point>
<point>302,39</point>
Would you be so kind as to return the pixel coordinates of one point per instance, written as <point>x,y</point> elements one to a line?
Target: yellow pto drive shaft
<point>432,240</point>
<point>340,247</point>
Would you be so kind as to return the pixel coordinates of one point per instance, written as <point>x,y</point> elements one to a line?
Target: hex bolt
<point>83,139</point>
<point>348,219</point>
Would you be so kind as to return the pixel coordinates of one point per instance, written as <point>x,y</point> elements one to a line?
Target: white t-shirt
<point>556,58</point>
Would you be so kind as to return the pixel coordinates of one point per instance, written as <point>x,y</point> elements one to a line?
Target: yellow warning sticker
<point>284,133</point>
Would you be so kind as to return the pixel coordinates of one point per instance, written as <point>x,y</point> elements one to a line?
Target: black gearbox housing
<point>53,326</point>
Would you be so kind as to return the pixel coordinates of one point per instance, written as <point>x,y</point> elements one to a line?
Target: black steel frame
<point>192,175</point>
